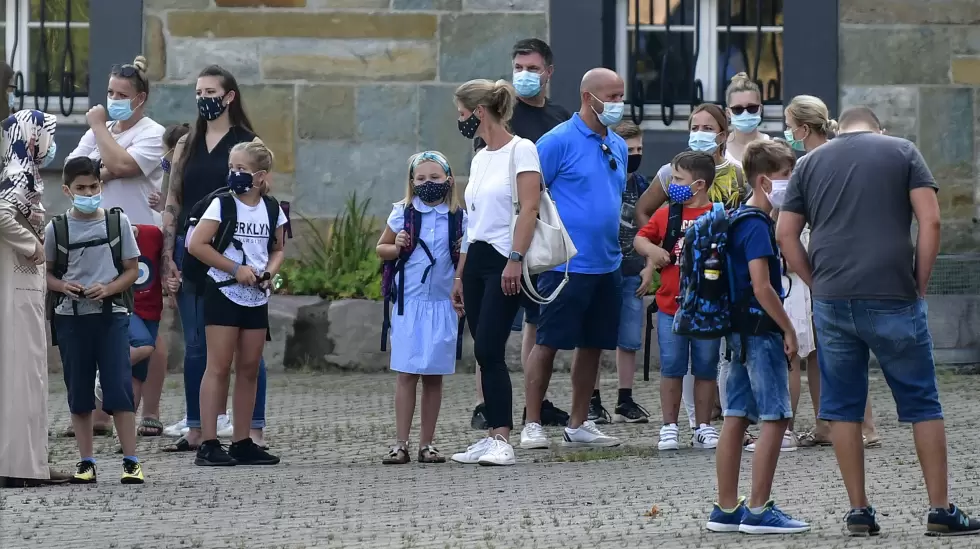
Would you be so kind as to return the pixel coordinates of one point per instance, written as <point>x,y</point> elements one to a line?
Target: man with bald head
<point>583,164</point>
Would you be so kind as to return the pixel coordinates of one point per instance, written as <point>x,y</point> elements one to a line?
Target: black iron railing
<point>42,69</point>
<point>669,46</point>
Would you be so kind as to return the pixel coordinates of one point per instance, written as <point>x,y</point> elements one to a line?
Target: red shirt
<point>655,231</point>
<point>148,290</point>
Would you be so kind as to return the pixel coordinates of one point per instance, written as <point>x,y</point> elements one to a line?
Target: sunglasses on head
<point>608,152</point>
<point>126,71</point>
<point>739,109</point>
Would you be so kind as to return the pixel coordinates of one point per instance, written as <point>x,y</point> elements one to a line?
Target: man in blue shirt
<point>583,163</point>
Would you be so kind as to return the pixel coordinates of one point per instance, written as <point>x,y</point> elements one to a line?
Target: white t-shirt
<point>738,161</point>
<point>488,193</point>
<point>253,232</point>
<point>144,142</point>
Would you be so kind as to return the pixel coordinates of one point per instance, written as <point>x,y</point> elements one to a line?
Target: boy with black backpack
<point>733,286</point>
<point>92,264</point>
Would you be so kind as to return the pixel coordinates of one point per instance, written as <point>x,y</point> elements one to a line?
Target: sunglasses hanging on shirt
<point>608,152</point>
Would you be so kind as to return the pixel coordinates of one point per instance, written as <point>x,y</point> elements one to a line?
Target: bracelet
<point>459,278</point>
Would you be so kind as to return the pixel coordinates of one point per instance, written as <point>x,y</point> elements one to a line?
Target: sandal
<point>871,442</point>
<point>97,430</point>
<point>748,440</point>
<point>430,454</point>
<point>809,440</point>
<point>397,455</point>
<point>180,446</point>
<point>150,427</point>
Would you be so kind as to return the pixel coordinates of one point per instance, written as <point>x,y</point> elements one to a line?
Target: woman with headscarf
<point>28,145</point>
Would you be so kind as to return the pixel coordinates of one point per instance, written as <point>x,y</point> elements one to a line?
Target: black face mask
<point>633,162</point>
<point>469,126</point>
<point>211,107</point>
<point>432,191</point>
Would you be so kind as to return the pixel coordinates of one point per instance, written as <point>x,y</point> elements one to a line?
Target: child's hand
<point>402,240</point>
<point>790,344</point>
<point>173,283</point>
<point>153,200</point>
<point>646,276</point>
<point>245,275</point>
<point>136,231</point>
<point>457,297</point>
<point>96,292</point>
<point>71,289</point>
<point>659,257</point>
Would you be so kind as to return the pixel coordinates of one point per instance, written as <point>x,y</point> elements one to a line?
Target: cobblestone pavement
<point>331,491</point>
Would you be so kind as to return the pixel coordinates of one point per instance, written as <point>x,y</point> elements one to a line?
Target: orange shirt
<point>655,231</point>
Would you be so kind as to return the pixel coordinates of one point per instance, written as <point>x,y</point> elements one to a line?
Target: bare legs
<point>405,406</point>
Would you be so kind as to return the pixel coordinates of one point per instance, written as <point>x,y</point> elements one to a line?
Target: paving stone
<point>332,60</point>
<point>345,25</point>
<point>172,103</point>
<point>388,113</point>
<point>161,5</point>
<point>885,12</point>
<point>946,131</point>
<point>880,56</point>
<point>441,5</point>
<point>896,107</point>
<point>188,56</point>
<point>477,45</point>
<point>325,112</point>
<point>154,48</point>
<point>505,5</point>
<point>273,123</point>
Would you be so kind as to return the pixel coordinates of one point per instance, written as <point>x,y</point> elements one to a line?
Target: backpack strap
<point>675,218</point>
<point>272,208</point>
<point>113,231</point>
<point>61,243</point>
<point>226,227</point>
<point>455,235</point>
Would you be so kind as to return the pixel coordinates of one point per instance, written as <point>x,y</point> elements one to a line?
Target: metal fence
<point>956,275</point>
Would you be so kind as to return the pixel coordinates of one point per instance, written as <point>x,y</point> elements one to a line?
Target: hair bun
<point>140,63</point>
<point>831,127</point>
<point>740,76</point>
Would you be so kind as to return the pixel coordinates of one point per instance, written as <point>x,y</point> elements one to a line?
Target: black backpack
<point>195,270</point>
<point>63,244</point>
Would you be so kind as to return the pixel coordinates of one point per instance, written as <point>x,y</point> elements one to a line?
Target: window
<point>46,42</point>
<point>679,53</point>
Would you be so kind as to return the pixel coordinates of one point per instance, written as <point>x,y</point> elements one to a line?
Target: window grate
<point>956,275</point>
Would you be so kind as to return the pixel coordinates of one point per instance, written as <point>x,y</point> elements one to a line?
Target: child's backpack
<point>394,290</point>
<point>196,271</point>
<point>707,307</point>
<point>62,244</point>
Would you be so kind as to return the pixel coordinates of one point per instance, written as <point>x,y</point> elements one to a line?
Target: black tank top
<point>206,172</point>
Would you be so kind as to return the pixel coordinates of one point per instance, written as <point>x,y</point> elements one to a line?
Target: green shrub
<point>340,264</point>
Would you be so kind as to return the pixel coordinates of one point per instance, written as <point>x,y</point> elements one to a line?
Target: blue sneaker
<point>726,521</point>
<point>771,521</point>
<point>862,522</point>
<point>951,522</point>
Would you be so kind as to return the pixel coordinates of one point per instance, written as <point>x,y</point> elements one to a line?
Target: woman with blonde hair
<point>488,277</point>
<point>744,99</point>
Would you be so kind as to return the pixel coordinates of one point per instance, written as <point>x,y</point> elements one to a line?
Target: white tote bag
<point>550,245</point>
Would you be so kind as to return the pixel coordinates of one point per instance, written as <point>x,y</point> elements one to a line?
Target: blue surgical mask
<point>680,193</point>
<point>49,158</point>
<point>612,112</point>
<point>746,122</point>
<point>797,144</point>
<point>702,142</point>
<point>239,182</point>
<point>119,109</point>
<point>87,204</point>
<point>527,83</point>
<point>11,100</point>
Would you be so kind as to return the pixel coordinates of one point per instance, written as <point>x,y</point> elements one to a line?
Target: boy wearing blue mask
<point>92,263</point>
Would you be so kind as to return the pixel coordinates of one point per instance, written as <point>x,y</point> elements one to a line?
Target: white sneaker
<point>668,437</point>
<point>225,426</point>
<point>472,454</point>
<point>706,437</point>
<point>500,452</point>
<point>178,429</point>
<point>790,443</point>
<point>533,437</point>
<point>588,436</point>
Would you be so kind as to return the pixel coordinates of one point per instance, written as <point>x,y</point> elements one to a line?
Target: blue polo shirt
<point>587,191</point>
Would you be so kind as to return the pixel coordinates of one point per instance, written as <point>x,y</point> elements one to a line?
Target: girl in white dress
<point>421,244</point>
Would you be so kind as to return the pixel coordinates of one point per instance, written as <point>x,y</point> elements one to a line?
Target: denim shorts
<point>585,314</point>
<point>897,332</point>
<point>758,382</point>
<point>631,316</point>
<point>676,352</point>
<point>90,345</point>
<point>142,333</point>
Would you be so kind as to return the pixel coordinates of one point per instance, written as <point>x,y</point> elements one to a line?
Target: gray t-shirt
<point>854,193</point>
<point>89,266</point>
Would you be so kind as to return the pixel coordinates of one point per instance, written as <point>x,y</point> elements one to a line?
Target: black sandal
<point>397,455</point>
<point>430,454</point>
<point>150,427</point>
<point>181,445</point>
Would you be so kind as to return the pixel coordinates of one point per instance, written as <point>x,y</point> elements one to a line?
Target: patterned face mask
<point>469,126</point>
<point>165,165</point>
<point>211,107</point>
<point>681,193</point>
<point>432,191</point>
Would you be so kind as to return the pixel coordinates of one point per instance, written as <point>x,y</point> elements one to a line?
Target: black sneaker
<point>951,522</point>
<point>552,415</point>
<point>630,412</point>
<point>597,413</point>
<point>862,522</point>
<point>212,454</point>
<point>246,452</point>
<point>479,419</point>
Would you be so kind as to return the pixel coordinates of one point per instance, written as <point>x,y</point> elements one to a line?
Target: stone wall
<point>917,63</point>
<point>344,91</point>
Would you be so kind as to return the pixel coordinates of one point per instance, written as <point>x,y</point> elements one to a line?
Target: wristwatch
<point>516,256</point>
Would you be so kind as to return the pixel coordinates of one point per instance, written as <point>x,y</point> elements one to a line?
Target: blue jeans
<point>191,308</point>
<point>676,351</point>
<point>631,316</point>
<point>758,383</point>
<point>897,332</point>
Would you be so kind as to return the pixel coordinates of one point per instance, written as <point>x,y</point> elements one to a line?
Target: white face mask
<point>778,192</point>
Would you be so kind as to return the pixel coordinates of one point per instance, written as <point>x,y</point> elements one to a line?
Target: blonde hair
<point>498,98</point>
<point>139,80</point>
<point>741,83</point>
<point>259,156</point>
<point>810,111</point>
<point>436,157</point>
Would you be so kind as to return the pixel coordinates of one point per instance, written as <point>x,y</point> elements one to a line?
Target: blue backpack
<point>707,307</point>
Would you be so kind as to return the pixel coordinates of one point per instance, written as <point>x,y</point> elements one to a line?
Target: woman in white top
<point>129,144</point>
<point>744,99</point>
<point>488,277</point>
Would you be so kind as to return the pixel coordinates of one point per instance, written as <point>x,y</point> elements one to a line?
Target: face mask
<point>527,84</point>
<point>746,122</point>
<point>49,158</point>
<point>211,107</point>
<point>165,164</point>
<point>702,142</point>
<point>797,144</point>
<point>778,192</point>
<point>469,126</point>
<point>239,182</point>
<point>633,162</point>
<point>119,109</point>
<point>432,191</point>
<point>11,100</point>
<point>612,112</point>
<point>680,193</point>
<point>87,204</point>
